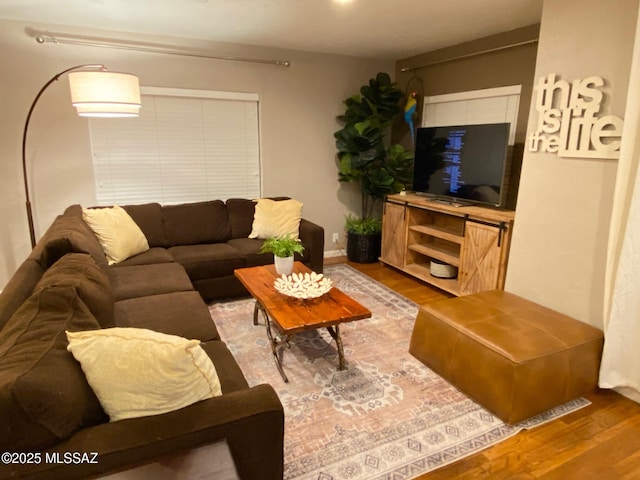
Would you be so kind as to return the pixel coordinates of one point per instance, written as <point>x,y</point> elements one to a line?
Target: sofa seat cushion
<point>137,372</point>
<point>148,217</point>
<point>44,395</point>
<point>250,248</point>
<point>178,313</point>
<point>220,287</point>
<point>195,223</point>
<point>231,377</point>
<point>142,280</point>
<point>151,256</point>
<point>209,260</point>
<point>80,271</point>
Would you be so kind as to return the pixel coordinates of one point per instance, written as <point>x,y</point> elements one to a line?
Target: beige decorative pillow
<point>136,372</point>
<point>118,234</point>
<point>276,218</point>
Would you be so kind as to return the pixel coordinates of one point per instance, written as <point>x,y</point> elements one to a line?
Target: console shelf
<point>439,232</point>
<point>474,239</point>
<point>444,254</point>
<point>421,272</point>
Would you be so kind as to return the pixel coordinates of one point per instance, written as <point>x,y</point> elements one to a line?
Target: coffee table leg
<point>256,308</point>
<point>335,333</point>
<point>272,340</point>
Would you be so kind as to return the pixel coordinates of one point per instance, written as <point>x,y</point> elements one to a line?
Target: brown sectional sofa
<point>210,240</point>
<point>65,284</point>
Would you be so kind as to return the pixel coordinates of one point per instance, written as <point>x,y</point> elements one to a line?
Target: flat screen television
<point>462,163</point>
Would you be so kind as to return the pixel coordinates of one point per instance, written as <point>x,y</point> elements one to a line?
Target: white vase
<point>284,265</point>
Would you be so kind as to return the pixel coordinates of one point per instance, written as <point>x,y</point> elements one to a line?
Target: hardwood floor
<point>406,285</point>
<point>600,441</point>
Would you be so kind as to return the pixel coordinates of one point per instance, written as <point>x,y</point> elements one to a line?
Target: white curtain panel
<point>620,366</point>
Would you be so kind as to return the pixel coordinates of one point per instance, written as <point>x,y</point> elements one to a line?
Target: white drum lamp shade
<point>105,94</point>
<point>98,93</point>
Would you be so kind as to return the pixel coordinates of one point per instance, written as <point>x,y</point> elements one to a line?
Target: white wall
<point>562,219</point>
<point>298,109</point>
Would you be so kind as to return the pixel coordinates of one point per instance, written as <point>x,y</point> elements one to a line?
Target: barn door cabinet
<point>475,240</point>
<point>394,218</point>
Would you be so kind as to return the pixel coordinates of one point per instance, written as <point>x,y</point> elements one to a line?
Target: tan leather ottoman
<point>514,357</point>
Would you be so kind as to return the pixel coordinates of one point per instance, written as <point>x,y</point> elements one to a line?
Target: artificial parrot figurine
<point>410,114</point>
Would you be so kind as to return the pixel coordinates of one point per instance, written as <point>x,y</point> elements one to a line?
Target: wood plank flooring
<point>601,441</point>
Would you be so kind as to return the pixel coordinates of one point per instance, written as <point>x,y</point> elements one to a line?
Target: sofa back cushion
<point>149,218</point>
<point>72,231</point>
<point>44,395</point>
<point>196,223</point>
<point>68,233</point>
<point>19,288</point>
<point>80,271</point>
<point>240,211</point>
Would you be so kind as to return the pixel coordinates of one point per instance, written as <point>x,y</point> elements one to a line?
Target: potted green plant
<point>283,249</point>
<point>364,157</point>
<point>364,239</point>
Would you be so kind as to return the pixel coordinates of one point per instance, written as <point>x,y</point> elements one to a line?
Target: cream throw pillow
<point>136,372</point>
<point>276,218</point>
<point>118,234</point>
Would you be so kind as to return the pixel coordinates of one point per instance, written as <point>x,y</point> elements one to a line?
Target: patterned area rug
<point>386,416</point>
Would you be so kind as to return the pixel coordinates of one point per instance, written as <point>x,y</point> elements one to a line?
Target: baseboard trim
<point>334,253</point>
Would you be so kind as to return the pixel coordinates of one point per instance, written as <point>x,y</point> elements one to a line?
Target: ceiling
<point>385,29</point>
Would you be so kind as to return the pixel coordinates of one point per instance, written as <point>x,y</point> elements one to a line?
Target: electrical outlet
<point>336,237</point>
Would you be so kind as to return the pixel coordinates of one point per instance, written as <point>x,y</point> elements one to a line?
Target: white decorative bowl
<point>304,286</point>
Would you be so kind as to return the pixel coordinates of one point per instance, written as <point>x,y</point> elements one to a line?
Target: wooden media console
<point>417,231</point>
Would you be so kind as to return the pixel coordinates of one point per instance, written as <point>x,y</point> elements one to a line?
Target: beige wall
<point>501,67</point>
<point>560,238</point>
<point>298,109</point>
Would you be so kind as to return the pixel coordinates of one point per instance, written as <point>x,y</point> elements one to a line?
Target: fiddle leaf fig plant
<point>363,154</point>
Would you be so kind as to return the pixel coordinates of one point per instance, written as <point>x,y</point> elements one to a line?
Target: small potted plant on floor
<point>365,158</point>
<point>283,249</point>
<point>363,238</point>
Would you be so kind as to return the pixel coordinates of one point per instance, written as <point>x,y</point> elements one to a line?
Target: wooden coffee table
<point>290,315</point>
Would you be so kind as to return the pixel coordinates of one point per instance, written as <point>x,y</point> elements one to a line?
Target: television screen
<point>463,162</point>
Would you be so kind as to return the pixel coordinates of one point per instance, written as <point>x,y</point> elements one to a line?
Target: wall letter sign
<point>568,122</point>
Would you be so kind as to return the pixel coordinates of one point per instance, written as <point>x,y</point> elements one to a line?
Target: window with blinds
<point>490,105</point>
<point>185,146</point>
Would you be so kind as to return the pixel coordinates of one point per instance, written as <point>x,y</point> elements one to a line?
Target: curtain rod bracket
<point>151,48</point>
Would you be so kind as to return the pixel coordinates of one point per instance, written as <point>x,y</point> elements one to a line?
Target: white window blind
<point>185,146</point>
<point>490,105</point>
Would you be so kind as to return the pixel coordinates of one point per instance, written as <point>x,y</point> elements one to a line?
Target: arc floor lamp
<point>95,92</point>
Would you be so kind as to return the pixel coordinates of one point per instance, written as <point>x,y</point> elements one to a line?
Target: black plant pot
<point>363,248</point>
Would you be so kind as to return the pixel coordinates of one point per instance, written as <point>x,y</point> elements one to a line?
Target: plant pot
<point>284,265</point>
<point>363,248</point>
